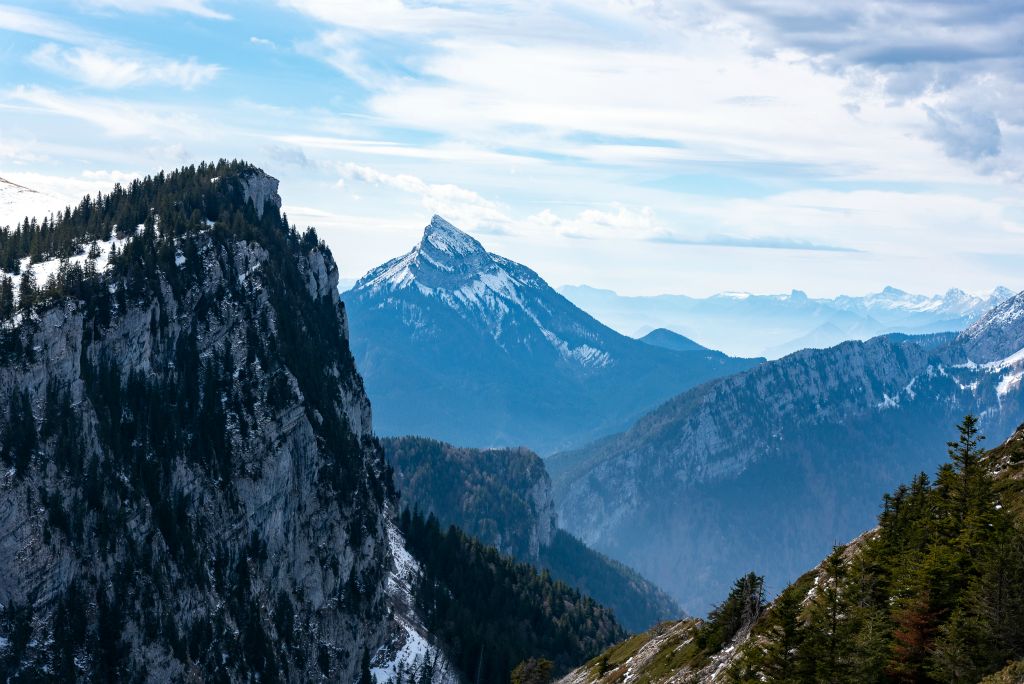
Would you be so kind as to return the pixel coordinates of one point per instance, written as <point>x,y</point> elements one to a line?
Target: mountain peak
<point>998,334</point>
<point>440,235</point>
<point>1002,293</point>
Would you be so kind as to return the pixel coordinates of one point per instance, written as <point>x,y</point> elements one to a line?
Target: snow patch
<point>1011,360</point>
<point>409,648</point>
<point>1008,382</point>
<point>888,402</point>
<point>909,389</point>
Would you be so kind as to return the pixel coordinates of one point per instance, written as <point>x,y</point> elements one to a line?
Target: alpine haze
<point>769,467</point>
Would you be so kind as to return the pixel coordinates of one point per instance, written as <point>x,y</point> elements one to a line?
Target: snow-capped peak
<point>445,259</point>
<point>997,334</point>
<point>443,236</point>
<point>502,297</point>
<point>1001,293</point>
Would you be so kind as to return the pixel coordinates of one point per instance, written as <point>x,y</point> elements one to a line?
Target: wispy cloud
<point>624,223</point>
<point>113,69</point>
<point>263,42</point>
<point>21,20</point>
<point>117,118</point>
<point>199,8</point>
<point>465,207</point>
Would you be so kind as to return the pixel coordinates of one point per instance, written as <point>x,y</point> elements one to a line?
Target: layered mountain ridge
<point>768,467</point>
<point>932,593</point>
<point>786,322</point>
<point>486,353</point>
<point>503,498</point>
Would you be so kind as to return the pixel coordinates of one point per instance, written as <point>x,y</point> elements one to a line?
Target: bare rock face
<point>202,497</point>
<point>260,189</point>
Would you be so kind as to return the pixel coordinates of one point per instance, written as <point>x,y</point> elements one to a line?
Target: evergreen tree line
<point>492,613</point>
<point>182,199</point>
<point>935,594</point>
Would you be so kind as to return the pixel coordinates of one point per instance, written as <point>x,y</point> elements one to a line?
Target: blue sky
<point>642,145</point>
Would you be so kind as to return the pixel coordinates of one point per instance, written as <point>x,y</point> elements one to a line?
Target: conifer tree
<point>27,289</point>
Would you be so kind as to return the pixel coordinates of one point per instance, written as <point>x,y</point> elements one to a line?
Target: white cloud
<point>648,82</point>
<point>199,8</point>
<point>21,20</point>
<point>116,117</point>
<point>380,16</point>
<point>621,223</point>
<point>459,205</point>
<point>110,70</point>
<point>263,42</point>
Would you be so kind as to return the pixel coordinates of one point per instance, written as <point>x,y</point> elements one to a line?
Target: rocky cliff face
<point>997,337</point>
<point>191,488</point>
<point>766,469</point>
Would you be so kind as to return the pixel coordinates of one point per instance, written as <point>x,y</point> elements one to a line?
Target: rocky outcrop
<point>260,189</point>
<point>202,496</point>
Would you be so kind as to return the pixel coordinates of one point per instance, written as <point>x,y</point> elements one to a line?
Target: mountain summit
<point>465,345</point>
<point>444,258</point>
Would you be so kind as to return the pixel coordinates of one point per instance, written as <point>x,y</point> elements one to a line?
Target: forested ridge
<point>502,497</point>
<point>935,593</point>
<point>493,612</point>
<point>152,398</point>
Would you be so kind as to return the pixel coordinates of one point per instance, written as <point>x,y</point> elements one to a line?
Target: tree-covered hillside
<point>188,473</point>
<point>502,497</point>
<point>493,612</point>
<point>934,594</point>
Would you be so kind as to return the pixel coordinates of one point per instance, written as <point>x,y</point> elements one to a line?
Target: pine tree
<point>6,297</point>
<point>827,649</point>
<point>27,289</point>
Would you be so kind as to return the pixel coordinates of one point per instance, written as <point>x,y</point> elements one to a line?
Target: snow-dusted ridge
<point>452,267</point>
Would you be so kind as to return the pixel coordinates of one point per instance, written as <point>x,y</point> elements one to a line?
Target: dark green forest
<point>494,612</point>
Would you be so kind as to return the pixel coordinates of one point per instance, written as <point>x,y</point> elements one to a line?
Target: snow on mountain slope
<point>454,268</point>
<point>997,335</point>
<point>464,345</point>
<point>18,201</point>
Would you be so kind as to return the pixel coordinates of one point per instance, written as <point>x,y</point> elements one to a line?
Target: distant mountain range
<point>472,348</point>
<point>768,468</point>
<point>775,325</point>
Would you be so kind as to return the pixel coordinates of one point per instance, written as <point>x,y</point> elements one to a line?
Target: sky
<point>644,146</point>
